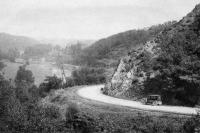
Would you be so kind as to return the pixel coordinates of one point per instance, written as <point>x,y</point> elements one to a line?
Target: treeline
<point>86,76</point>
<point>10,55</point>
<point>82,76</point>
<point>35,51</point>
<point>40,50</point>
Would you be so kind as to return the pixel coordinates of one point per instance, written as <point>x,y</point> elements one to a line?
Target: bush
<point>70,82</point>
<point>72,110</point>
<point>192,124</point>
<point>42,119</point>
<point>78,121</point>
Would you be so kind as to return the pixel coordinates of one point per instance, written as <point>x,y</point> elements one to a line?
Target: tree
<point>24,75</point>
<point>13,53</point>
<point>24,80</point>
<point>39,50</point>
<point>1,65</point>
<point>50,83</point>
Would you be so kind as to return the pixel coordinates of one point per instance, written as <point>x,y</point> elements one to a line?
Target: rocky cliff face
<point>133,70</point>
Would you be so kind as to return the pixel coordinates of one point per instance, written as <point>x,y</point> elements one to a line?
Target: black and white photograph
<point>99,66</point>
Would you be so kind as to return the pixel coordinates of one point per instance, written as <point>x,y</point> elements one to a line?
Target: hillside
<point>168,64</point>
<point>8,41</point>
<point>117,45</point>
<point>108,51</point>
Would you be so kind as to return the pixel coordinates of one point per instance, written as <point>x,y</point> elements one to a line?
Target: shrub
<point>192,125</point>
<point>70,82</point>
<point>80,122</point>
<point>72,110</point>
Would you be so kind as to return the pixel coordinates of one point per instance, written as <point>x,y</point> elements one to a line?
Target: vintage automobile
<point>153,100</point>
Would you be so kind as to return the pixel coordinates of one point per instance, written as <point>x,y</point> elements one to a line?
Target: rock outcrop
<point>132,72</point>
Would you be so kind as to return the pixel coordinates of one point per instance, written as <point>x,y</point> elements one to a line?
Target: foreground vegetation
<point>21,111</point>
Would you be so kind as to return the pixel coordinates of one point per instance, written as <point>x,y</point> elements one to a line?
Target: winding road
<point>94,93</point>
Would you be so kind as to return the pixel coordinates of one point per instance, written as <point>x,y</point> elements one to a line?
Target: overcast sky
<point>86,19</point>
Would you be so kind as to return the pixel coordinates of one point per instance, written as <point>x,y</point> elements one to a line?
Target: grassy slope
<point>114,117</point>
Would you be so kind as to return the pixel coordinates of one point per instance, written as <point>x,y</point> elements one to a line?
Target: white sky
<point>86,19</point>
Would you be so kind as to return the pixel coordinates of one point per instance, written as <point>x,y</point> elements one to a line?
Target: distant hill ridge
<point>8,41</point>
<point>108,51</point>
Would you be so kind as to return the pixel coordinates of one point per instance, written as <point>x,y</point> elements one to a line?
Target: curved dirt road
<point>94,93</point>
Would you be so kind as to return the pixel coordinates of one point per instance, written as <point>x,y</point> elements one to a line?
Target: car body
<point>153,100</point>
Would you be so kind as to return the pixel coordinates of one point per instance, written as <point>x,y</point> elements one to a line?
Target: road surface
<point>94,93</point>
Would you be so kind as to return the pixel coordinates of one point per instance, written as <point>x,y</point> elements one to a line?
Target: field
<point>40,70</point>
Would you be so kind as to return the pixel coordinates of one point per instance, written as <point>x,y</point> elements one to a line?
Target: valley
<point>40,70</point>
